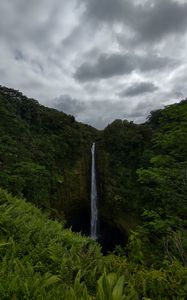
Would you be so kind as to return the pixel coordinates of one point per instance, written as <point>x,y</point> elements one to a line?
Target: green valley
<point>45,174</point>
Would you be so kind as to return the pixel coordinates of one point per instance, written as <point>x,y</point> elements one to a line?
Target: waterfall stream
<point>94,198</point>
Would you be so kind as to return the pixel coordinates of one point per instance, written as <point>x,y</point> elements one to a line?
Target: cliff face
<point>75,190</point>
<point>119,153</point>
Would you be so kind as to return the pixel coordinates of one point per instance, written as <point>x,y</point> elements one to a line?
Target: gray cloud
<point>52,48</point>
<point>106,66</point>
<point>148,20</point>
<point>119,64</point>
<point>161,18</point>
<point>138,88</point>
<point>108,10</point>
<point>69,105</point>
<point>179,95</point>
<point>92,111</point>
<point>18,55</point>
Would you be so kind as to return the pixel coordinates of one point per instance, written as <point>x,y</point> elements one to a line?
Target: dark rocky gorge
<point>109,233</point>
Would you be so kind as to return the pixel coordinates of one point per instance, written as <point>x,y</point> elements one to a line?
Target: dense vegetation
<point>142,182</point>
<point>44,156</point>
<point>39,259</point>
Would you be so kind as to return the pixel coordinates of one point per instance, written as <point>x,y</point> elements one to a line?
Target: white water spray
<point>94,211</point>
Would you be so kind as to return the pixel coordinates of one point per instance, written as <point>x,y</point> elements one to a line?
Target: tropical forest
<point>88,214</point>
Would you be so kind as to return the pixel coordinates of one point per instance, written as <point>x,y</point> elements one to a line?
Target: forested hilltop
<point>142,182</point>
<point>45,156</point>
<point>143,178</point>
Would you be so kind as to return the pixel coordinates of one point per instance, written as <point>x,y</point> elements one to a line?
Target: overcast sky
<point>96,59</point>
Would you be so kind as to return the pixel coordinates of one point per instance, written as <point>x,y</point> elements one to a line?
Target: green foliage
<point>145,170</point>
<point>110,287</point>
<point>38,255</point>
<point>135,248</point>
<point>44,154</point>
<point>39,259</point>
<point>142,172</point>
<point>139,282</point>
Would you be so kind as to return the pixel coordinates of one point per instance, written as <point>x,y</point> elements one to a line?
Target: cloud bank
<point>99,59</point>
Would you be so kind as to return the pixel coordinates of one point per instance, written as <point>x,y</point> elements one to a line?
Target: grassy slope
<point>41,260</point>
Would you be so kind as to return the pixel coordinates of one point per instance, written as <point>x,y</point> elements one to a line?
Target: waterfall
<point>94,211</point>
